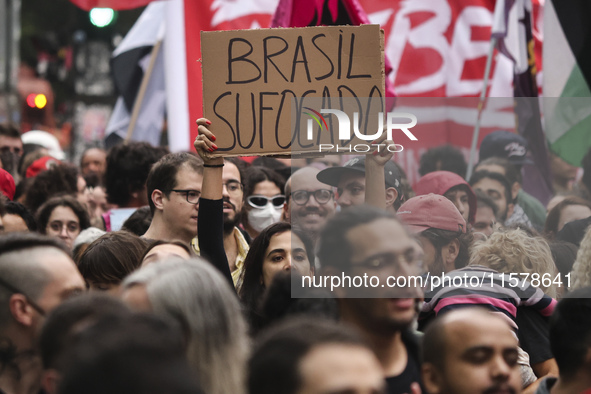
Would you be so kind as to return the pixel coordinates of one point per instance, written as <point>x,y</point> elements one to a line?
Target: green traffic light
<point>101,17</point>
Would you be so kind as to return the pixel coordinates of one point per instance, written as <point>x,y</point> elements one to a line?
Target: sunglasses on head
<point>262,201</point>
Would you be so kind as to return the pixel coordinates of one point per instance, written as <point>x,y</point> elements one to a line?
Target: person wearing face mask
<point>264,199</point>
<point>11,148</point>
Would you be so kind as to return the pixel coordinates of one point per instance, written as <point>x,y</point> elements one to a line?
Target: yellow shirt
<point>239,262</point>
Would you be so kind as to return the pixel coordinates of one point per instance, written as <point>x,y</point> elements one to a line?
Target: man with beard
<point>310,203</point>
<point>497,187</point>
<point>235,243</point>
<point>366,241</point>
<point>441,230</point>
<point>470,351</point>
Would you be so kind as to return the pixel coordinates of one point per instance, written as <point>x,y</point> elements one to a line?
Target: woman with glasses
<point>264,199</point>
<point>62,217</point>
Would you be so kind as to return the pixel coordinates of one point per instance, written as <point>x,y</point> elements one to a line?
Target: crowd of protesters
<point>141,271</point>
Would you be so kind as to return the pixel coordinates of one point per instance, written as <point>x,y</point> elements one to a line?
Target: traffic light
<point>36,100</point>
<point>101,17</point>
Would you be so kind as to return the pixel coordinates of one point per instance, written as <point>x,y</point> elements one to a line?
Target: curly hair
<point>127,170</point>
<point>514,251</point>
<point>581,273</point>
<point>61,179</point>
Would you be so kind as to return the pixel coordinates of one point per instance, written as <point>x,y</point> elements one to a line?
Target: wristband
<point>213,165</point>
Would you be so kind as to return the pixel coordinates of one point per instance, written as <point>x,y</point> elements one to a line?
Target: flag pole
<point>481,102</point>
<point>137,105</point>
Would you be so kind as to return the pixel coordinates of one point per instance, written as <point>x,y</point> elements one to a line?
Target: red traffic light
<point>36,100</point>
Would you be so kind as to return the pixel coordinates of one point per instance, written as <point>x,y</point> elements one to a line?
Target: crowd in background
<point>137,270</point>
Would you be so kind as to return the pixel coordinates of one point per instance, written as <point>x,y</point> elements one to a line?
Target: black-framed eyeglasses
<point>14,290</point>
<point>322,196</point>
<point>233,187</point>
<point>192,196</point>
<point>257,201</point>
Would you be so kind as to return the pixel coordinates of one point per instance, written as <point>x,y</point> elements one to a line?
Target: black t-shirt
<point>534,336</point>
<point>412,373</point>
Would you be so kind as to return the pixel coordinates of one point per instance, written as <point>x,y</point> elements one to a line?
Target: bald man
<point>470,351</point>
<point>310,203</point>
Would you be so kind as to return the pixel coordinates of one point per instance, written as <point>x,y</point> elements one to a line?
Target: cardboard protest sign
<point>254,80</point>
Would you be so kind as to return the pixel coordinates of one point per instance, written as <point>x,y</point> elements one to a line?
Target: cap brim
<point>332,176</point>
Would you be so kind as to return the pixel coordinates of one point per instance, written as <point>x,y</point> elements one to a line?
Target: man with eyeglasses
<point>174,188</point>
<point>310,203</point>
<point>36,275</point>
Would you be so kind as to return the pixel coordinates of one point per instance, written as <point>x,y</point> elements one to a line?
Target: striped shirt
<point>481,286</point>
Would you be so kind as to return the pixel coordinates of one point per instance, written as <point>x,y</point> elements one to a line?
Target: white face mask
<point>259,219</point>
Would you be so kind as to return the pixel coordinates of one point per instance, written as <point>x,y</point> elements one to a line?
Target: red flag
<point>185,20</point>
<point>88,5</point>
<point>325,13</point>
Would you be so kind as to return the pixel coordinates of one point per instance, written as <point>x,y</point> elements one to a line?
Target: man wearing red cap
<point>441,229</point>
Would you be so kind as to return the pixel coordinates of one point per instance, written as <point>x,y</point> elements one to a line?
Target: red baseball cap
<point>40,165</point>
<point>431,211</point>
<point>7,186</point>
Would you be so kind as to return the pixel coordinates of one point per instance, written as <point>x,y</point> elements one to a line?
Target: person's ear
<point>20,309</point>
<point>391,196</point>
<point>514,190</point>
<point>286,216</point>
<point>157,197</point>
<point>50,380</point>
<point>432,379</point>
<point>450,253</point>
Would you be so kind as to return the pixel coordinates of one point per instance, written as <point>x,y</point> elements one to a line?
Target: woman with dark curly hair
<point>61,179</point>
<point>62,217</point>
